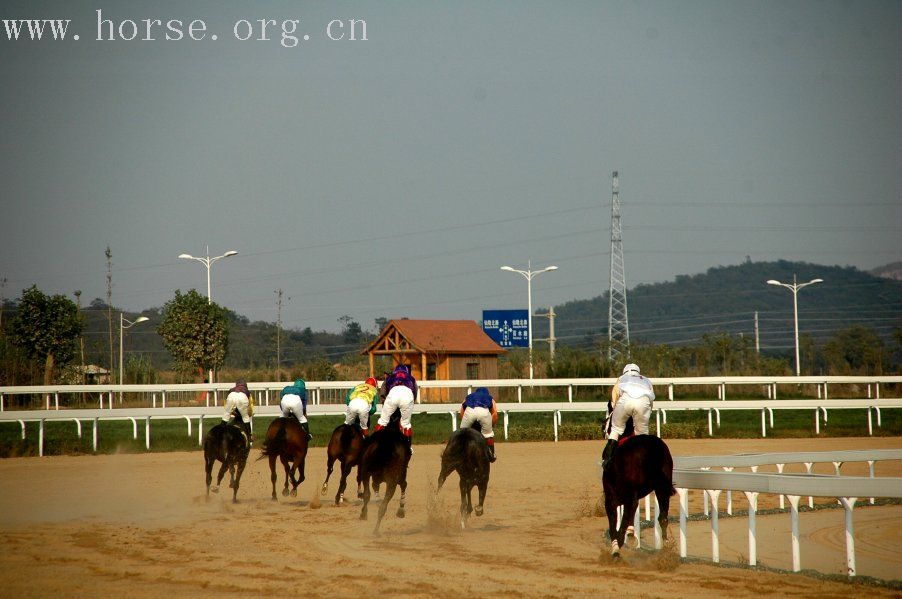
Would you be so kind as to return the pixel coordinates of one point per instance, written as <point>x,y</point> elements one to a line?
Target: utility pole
<point>279,335</point>
<point>109,300</point>
<point>757,345</point>
<point>81,336</point>
<point>618,321</point>
<point>2,301</point>
<point>551,338</point>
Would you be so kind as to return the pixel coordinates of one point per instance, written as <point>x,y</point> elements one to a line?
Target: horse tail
<point>273,446</point>
<point>347,435</point>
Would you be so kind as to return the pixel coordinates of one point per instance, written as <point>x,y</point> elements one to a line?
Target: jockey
<point>400,390</point>
<point>362,402</point>
<point>479,406</point>
<point>632,396</point>
<point>294,403</point>
<point>239,400</point>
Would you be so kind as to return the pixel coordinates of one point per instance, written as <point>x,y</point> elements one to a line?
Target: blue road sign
<point>507,328</point>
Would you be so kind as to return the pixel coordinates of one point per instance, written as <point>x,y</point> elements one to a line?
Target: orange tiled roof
<point>443,336</point>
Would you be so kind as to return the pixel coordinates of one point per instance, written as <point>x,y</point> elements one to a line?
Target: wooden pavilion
<point>438,350</point>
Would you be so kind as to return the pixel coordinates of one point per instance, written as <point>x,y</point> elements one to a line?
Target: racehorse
<point>641,465</point>
<point>286,440</point>
<point>345,445</point>
<point>384,459</point>
<point>468,454</point>
<point>230,445</point>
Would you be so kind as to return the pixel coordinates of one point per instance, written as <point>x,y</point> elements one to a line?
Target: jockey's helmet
<point>631,368</point>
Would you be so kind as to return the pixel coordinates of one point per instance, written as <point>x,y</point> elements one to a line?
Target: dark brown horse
<point>287,441</point>
<point>230,445</point>
<point>386,455</point>
<point>345,445</point>
<point>468,454</point>
<point>641,465</point>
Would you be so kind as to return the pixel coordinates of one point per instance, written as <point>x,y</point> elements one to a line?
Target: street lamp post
<point>124,323</point>
<point>208,262</point>
<point>529,274</point>
<point>794,287</point>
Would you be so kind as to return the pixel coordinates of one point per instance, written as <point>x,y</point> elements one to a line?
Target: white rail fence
<point>197,415</point>
<point>105,394</point>
<point>696,473</point>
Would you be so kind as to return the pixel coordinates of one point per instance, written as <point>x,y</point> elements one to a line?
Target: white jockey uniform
<point>399,398</point>
<point>237,400</point>
<point>632,396</point>
<point>293,405</point>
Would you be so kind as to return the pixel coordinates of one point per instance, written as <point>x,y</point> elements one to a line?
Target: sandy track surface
<point>139,525</point>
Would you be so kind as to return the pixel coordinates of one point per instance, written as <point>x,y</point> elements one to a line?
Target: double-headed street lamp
<point>124,323</point>
<point>529,274</point>
<point>208,262</point>
<point>794,287</point>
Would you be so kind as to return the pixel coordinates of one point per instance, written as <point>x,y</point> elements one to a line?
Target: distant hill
<point>892,270</point>
<point>725,298</point>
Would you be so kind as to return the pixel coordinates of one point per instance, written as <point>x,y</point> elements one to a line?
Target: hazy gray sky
<point>393,177</point>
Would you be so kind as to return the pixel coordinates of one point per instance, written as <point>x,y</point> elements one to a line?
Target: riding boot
<point>608,454</point>
<point>491,443</point>
<point>408,434</point>
<point>247,431</point>
<point>306,427</point>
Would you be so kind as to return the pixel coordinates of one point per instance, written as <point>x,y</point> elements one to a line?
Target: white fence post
<point>94,434</point>
<point>506,422</point>
<point>554,420</point>
<point>659,537</point>
<point>848,503</point>
<point>715,540</point>
<point>752,496</point>
<point>780,471</point>
<point>453,421</point>
<point>683,495</point>
<point>808,466</point>
<point>794,520</point>
<point>41,439</point>
<point>871,474</point>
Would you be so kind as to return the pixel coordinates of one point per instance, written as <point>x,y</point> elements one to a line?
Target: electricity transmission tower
<point>618,322</point>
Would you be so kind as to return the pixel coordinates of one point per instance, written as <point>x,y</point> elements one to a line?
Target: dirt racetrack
<point>138,525</point>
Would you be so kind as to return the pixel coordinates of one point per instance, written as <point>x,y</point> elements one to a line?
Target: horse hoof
<point>400,512</point>
<point>478,510</point>
<point>294,492</point>
<point>274,498</point>
<point>359,494</point>
<point>615,549</point>
<point>463,523</point>
<point>323,490</point>
<point>235,500</point>
<point>285,492</point>
<point>214,489</point>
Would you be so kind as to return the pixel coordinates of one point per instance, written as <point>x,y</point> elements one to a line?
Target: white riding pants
<point>293,405</point>
<point>358,409</point>
<point>481,415</point>
<point>236,401</point>
<point>637,407</point>
<point>399,398</point>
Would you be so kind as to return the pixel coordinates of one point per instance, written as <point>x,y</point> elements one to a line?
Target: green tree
<point>194,331</point>
<point>857,349</point>
<point>46,329</point>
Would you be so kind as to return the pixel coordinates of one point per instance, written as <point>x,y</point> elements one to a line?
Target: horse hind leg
<point>483,486</point>
<point>299,469</point>
<point>343,483</point>
<point>389,493</point>
<point>366,494</point>
<point>238,472</point>
<point>288,476</point>
<point>663,495</point>
<point>221,474</point>
<point>465,507</point>
<point>629,511</point>
<point>610,507</point>
<point>272,475</point>
<point>329,464</point>
<point>403,484</point>
<point>208,471</point>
